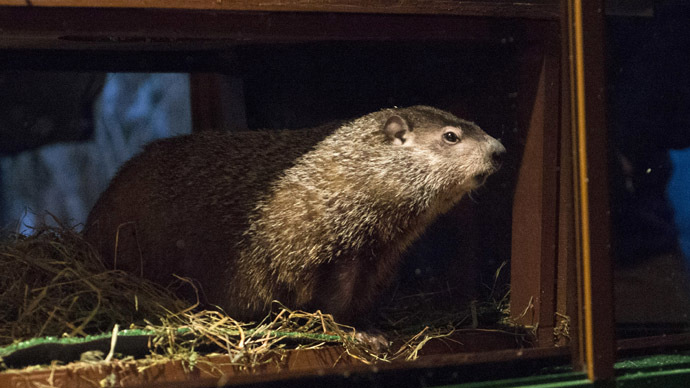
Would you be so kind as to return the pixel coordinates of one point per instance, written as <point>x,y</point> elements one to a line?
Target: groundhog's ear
<point>397,130</point>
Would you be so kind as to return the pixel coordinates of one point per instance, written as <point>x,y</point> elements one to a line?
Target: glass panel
<point>649,125</point>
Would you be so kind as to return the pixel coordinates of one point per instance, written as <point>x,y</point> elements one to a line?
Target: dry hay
<point>251,344</point>
<point>53,283</point>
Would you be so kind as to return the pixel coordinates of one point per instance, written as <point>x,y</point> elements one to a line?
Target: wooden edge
<point>597,336</point>
<point>325,363</point>
<point>653,344</point>
<point>550,192</point>
<point>121,29</point>
<point>568,303</point>
<point>528,9</point>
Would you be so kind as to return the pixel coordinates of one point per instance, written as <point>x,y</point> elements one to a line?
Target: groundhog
<point>315,218</point>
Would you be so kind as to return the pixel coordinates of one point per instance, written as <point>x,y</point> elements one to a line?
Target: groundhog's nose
<point>497,154</point>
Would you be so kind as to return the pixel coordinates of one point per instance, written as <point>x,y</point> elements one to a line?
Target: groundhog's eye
<point>451,137</point>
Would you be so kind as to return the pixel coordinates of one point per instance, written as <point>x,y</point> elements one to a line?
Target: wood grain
<point>177,30</point>
<point>217,370</point>
<point>539,9</point>
<point>535,204</point>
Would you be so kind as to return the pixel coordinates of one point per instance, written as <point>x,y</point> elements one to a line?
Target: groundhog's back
<point>202,186</point>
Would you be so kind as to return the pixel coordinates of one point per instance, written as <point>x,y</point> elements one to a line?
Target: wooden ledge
<point>293,366</point>
<point>129,29</point>
<point>536,9</point>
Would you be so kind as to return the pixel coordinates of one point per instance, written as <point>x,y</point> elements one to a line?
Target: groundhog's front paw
<point>373,339</point>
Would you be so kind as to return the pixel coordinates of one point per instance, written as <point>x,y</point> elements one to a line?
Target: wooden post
<point>596,323</point>
<point>535,205</point>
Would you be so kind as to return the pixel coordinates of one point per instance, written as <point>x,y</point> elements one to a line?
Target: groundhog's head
<point>457,151</point>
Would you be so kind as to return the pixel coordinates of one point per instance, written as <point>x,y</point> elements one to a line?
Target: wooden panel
<point>290,365</point>
<point>540,9</point>
<point>217,102</point>
<point>534,238</point>
<point>155,29</point>
<point>209,371</point>
<point>205,98</point>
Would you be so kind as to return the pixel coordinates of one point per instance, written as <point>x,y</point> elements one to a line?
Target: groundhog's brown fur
<point>316,219</point>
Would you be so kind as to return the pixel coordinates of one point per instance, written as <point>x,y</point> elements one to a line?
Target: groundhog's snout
<point>494,153</point>
<point>497,153</point>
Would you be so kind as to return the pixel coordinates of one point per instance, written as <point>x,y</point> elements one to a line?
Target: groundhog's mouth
<point>480,179</point>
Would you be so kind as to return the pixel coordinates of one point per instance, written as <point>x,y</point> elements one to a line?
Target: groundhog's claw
<point>374,339</point>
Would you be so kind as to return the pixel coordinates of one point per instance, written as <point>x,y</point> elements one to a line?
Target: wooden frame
<point>533,279</point>
<point>537,9</point>
<point>122,35</point>
<point>597,338</point>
